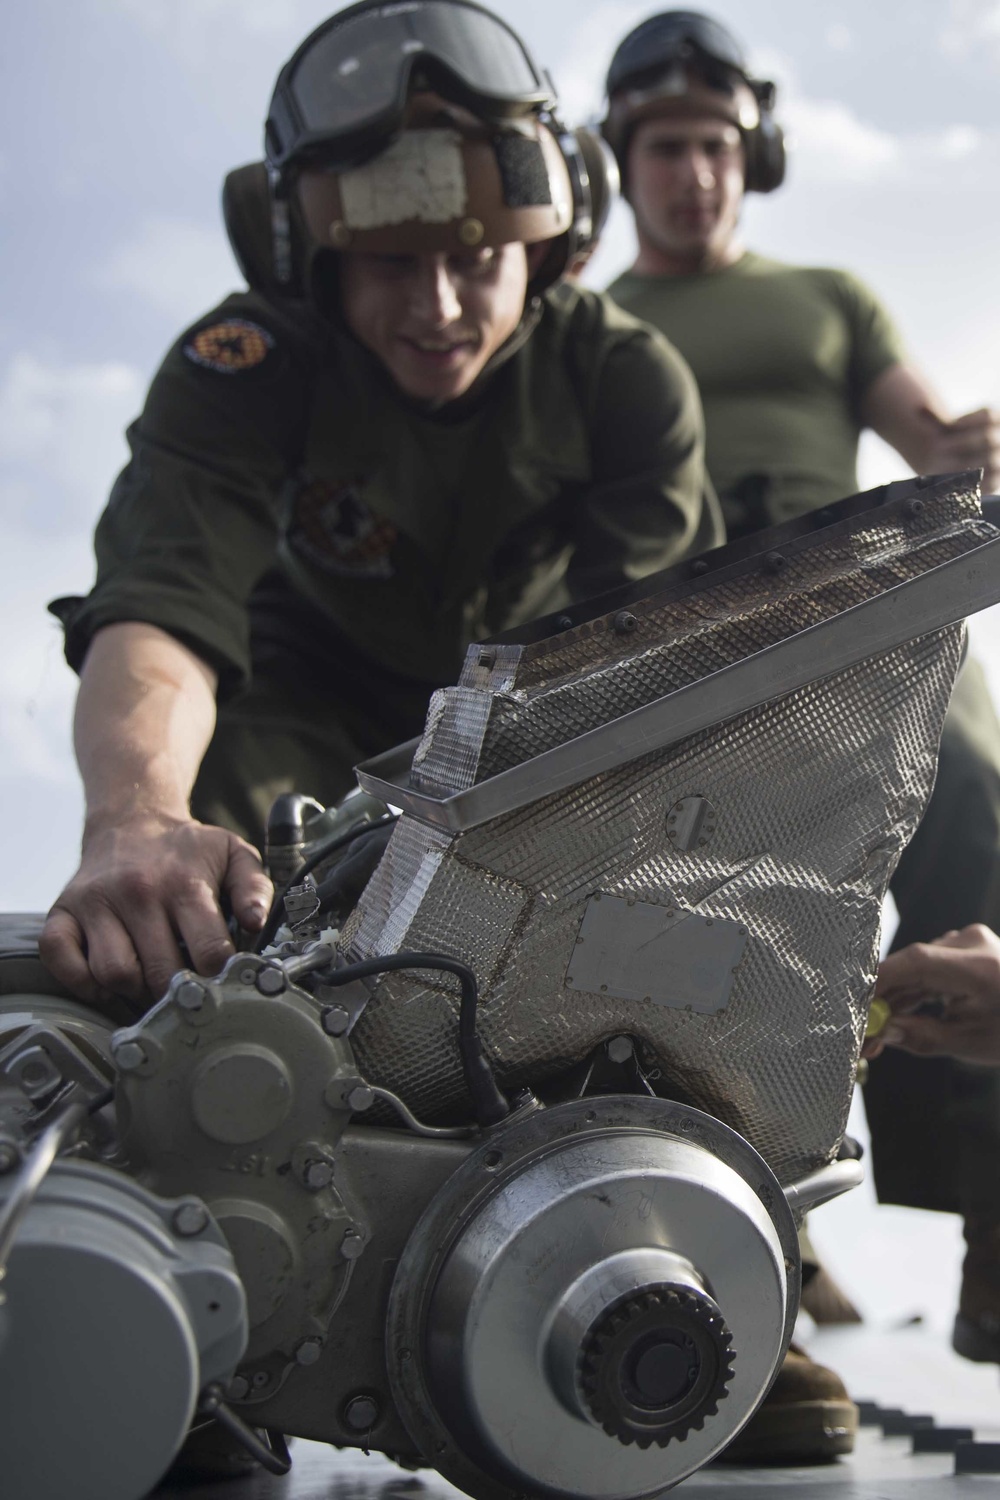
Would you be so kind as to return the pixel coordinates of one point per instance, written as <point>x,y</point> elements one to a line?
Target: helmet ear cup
<point>766,159</point>
<point>247,210</point>
<point>604,180</point>
<point>593,175</point>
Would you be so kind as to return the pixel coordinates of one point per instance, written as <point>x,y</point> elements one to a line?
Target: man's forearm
<point>144,718</point>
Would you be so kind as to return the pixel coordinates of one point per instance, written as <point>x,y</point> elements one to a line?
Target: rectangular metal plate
<point>636,951</point>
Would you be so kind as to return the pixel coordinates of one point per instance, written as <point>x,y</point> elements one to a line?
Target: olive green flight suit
<point>783,356</point>
<point>331,548</point>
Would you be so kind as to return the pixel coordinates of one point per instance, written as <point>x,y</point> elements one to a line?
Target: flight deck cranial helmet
<point>684,63</point>
<point>421,126</point>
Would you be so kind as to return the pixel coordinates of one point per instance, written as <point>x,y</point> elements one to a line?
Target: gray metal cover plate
<point>634,950</point>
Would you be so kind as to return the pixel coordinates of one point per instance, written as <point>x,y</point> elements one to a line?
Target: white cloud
<point>61,444</point>
<point>830,141</point>
<point>838,37</point>
<point>957,141</point>
<point>973,26</point>
<point>61,435</point>
<point>179,268</point>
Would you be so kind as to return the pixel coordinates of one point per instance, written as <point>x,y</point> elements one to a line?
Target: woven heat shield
<point>741,870</point>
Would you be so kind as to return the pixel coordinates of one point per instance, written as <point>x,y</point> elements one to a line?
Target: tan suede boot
<point>806,1417</point>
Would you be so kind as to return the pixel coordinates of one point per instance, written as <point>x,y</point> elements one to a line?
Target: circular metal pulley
<point>594,1304</point>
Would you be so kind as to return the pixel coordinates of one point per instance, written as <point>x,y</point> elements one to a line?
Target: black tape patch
<point>524,175</point>
<point>334,528</point>
<point>229,347</point>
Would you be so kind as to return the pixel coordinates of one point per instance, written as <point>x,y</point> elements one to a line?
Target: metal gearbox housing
<point>268,1094</point>
<point>117,1316</point>
<point>595,1302</point>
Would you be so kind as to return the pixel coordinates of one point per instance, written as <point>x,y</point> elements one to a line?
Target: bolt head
<point>239,1388</point>
<point>351,1245</point>
<point>271,981</point>
<point>624,623</point>
<point>129,1056</point>
<point>335,1020</point>
<point>190,1219</point>
<point>620,1049</point>
<point>308,1351</point>
<point>361,1098</point>
<point>190,995</point>
<point>317,1174</point>
<point>361,1413</point>
<point>247,975</point>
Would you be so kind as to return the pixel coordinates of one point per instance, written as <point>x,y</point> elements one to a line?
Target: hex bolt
<point>10,1157</point>
<point>190,995</point>
<point>239,1388</point>
<point>620,1049</point>
<point>317,1174</point>
<point>270,981</point>
<point>129,1056</point>
<point>308,1351</point>
<point>351,1245</point>
<point>334,1020</point>
<point>35,1073</point>
<point>624,623</point>
<point>361,1098</point>
<point>361,1413</point>
<point>774,562</point>
<point>190,1219</point>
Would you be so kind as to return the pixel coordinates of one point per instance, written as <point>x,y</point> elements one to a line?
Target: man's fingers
<point>61,949</point>
<point>250,891</point>
<point>159,954</point>
<point>203,927</point>
<point>112,958</point>
<point>979,420</point>
<point>926,1036</point>
<point>922,967</point>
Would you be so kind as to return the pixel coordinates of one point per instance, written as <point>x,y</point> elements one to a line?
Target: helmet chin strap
<point>281,229</point>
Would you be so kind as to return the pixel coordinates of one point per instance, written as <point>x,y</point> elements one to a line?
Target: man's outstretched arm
<point>149,873</point>
<point>902,409</point>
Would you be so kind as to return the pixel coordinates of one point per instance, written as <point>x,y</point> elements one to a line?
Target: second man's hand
<point>944,998</point>
<point>143,887</point>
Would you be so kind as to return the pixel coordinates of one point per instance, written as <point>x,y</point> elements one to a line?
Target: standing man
<point>793,362</point>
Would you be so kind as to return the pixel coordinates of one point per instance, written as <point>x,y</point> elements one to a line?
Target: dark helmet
<point>390,95</point>
<point>682,62</point>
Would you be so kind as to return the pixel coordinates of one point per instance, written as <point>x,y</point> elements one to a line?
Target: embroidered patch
<point>229,347</point>
<point>334,528</point>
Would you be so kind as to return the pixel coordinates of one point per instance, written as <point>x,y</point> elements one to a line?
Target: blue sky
<point>122,116</point>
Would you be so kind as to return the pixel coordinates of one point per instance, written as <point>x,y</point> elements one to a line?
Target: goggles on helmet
<point>678,36</point>
<point>343,95</point>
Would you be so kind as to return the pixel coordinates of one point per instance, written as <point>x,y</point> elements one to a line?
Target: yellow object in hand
<point>877,1018</point>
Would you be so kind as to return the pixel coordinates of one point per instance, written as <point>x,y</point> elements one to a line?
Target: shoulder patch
<point>229,347</point>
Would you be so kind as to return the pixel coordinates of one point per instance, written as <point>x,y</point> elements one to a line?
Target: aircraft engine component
<point>502,1177</point>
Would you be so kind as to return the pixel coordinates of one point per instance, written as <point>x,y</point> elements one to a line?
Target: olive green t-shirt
<point>783,356</point>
